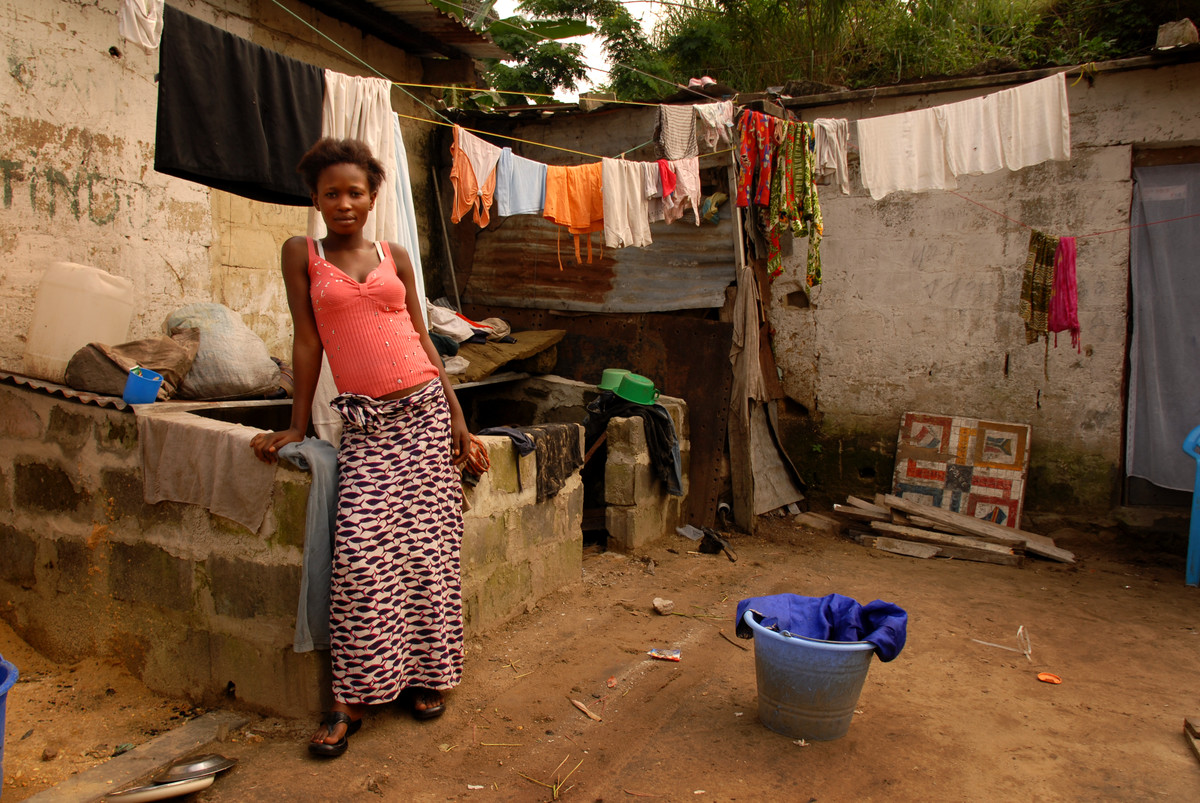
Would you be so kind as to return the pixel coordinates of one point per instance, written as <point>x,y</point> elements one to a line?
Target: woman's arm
<point>306,352</point>
<point>460,436</point>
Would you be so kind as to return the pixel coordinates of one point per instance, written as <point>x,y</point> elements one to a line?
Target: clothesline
<point>1079,236</point>
<point>515,92</point>
<point>543,144</point>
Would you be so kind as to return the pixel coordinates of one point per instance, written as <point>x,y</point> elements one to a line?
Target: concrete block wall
<point>196,605</point>
<point>77,180</point>
<point>918,309</point>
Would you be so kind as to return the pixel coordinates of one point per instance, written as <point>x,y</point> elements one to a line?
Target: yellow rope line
<point>520,92</point>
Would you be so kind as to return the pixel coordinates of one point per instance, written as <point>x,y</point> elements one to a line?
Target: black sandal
<point>331,721</point>
<point>428,696</point>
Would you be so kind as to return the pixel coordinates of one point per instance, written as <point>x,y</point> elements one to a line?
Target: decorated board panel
<point>965,465</point>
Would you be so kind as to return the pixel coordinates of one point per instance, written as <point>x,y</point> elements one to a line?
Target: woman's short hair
<point>329,151</point>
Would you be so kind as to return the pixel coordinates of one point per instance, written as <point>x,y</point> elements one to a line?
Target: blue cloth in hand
<point>830,618</point>
<point>312,614</point>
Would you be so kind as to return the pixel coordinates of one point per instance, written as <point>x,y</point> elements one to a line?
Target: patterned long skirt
<point>396,592</point>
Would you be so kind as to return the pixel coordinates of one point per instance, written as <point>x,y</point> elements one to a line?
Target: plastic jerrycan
<point>76,305</point>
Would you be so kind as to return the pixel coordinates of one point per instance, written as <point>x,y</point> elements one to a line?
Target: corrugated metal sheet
<point>443,27</point>
<point>686,357</point>
<point>55,389</point>
<point>517,264</point>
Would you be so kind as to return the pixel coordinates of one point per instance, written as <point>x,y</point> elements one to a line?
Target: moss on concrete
<point>291,514</point>
<point>116,434</point>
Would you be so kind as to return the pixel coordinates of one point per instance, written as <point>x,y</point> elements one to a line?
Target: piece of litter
<point>801,742</point>
<point>474,786</point>
<point>665,654</point>
<point>1049,677</point>
<point>585,710</point>
<point>699,792</point>
<point>737,713</point>
<point>612,682</point>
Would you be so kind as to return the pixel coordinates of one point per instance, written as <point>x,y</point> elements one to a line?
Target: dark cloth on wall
<point>558,455</point>
<point>522,441</point>
<point>234,115</point>
<point>660,434</point>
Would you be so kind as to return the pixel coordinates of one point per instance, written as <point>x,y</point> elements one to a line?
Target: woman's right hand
<point>266,445</point>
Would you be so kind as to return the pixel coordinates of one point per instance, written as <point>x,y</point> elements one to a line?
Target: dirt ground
<point>949,719</point>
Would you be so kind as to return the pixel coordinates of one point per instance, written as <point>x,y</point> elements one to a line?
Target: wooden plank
<point>863,504</point>
<point>859,513</point>
<point>951,552</point>
<point>933,537</point>
<point>1192,725</point>
<point>930,524</point>
<point>881,501</point>
<point>1037,544</point>
<point>1191,740</point>
<point>908,548</point>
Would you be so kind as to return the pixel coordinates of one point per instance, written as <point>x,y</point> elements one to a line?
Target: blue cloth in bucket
<point>830,618</point>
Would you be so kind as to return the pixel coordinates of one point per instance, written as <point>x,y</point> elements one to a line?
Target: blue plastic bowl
<point>142,386</point>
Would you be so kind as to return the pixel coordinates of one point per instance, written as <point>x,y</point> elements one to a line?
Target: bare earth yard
<point>950,719</point>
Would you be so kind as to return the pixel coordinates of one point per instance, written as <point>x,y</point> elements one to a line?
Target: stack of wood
<point>910,528</point>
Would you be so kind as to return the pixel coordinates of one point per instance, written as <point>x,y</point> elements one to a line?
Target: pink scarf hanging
<point>1064,299</point>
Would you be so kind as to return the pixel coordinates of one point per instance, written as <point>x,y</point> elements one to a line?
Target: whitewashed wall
<point>919,306</point>
<point>77,114</point>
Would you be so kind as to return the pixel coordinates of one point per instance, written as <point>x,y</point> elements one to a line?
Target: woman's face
<point>344,197</point>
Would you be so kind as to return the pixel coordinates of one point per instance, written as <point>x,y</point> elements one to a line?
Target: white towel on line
<point>903,152</point>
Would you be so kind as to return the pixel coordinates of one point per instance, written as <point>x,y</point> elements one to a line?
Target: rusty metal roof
<point>414,26</point>
<point>517,264</point>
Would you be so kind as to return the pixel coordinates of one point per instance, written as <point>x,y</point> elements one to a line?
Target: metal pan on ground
<point>162,791</point>
<point>185,769</point>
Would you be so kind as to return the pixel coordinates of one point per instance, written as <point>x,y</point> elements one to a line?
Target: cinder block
<point>632,528</point>
<point>538,523</point>
<point>73,563</point>
<point>504,593</point>
<point>46,487</point>
<point>485,541</point>
<point>626,436</point>
<point>121,492</point>
<point>290,507</point>
<point>620,481</point>
<point>504,471</point>
<point>247,590</point>
<point>557,565</point>
<point>145,573</point>
<point>70,430</point>
<point>116,434</point>
<point>268,676</point>
<point>18,420</point>
<point>19,553</point>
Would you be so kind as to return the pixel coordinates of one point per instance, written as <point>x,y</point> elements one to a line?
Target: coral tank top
<point>365,328</point>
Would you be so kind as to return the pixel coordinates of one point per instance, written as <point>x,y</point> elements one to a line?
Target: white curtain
<point>362,108</point>
<point>1164,386</point>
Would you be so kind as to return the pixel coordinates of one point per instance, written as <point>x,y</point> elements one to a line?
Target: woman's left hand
<point>460,439</point>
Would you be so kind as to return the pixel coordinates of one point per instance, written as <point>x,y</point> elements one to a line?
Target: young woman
<point>396,604</point>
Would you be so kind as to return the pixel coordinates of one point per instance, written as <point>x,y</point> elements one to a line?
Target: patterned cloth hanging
<point>794,205</point>
<point>1037,285</point>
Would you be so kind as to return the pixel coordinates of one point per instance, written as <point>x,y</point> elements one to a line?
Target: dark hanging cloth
<point>522,441</point>
<point>1037,285</point>
<point>556,448</point>
<point>660,434</point>
<point>234,115</point>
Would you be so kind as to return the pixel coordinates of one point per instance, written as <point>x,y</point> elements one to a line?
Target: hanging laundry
<point>1035,122</point>
<point>667,178</point>
<point>574,198</point>
<point>520,185</point>
<point>903,152</point>
<point>626,207</point>
<point>831,140</point>
<point>1037,284</point>
<point>652,184</point>
<point>472,175</point>
<point>794,206</point>
<point>1064,300</point>
<point>971,131</point>
<point>756,153</point>
<point>675,132</point>
<point>234,115</point>
<point>687,190</point>
<point>714,123</point>
<point>141,21</point>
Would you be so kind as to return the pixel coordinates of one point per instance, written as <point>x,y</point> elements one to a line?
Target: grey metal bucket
<point>808,688</point>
